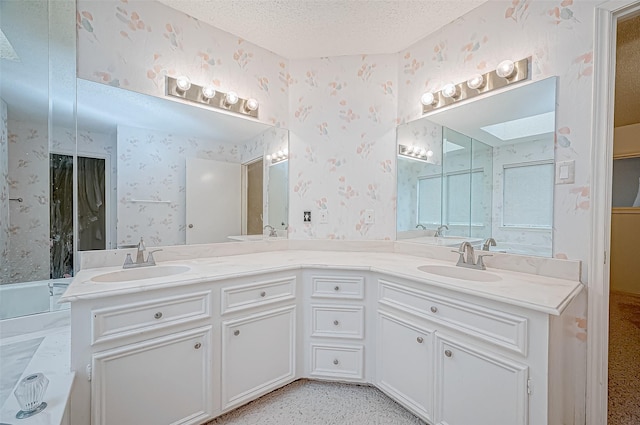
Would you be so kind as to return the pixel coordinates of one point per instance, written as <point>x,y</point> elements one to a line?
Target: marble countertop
<point>540,293</point>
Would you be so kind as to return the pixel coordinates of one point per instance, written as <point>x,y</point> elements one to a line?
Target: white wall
<point>4,194</point>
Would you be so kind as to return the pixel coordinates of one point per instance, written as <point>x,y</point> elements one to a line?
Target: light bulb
<point>286,151</point>
<point>423,152</point>
<point>280,154</point>
<point>475,82</point>
<point>183,83</point>
<point>506,69</point>
<point>208,92</point>
<point>231,98</point>
<point>268,157</point>
<point>450,90</point>
<point>251,105</point>
<point>409,149</point>
<point>428,99</point>
<point>429,153</point>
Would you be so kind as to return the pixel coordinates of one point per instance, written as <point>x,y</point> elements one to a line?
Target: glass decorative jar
<point>29,393</point>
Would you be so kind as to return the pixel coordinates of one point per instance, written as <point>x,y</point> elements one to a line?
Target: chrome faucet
<point>140,261</point>
<point>439,231</point>
<point>272,230</point>
<point>487,243</point>
<point>471,261</point>
<point>420,226</point>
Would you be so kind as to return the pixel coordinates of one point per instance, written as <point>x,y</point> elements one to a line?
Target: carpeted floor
<point>624,359</point>
<point>306,402</point>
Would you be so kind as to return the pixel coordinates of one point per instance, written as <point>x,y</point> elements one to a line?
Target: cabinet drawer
<point>497,327</point>
<point>242,297</point>
<point>117,322</point>
<point>337,361</point>
<point>337,321</point>
<point>344,287</point>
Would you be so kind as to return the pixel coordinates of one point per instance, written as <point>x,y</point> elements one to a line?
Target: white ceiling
<point>320,28</point>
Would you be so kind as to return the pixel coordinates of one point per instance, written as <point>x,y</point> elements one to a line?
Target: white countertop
<point>540,293</point>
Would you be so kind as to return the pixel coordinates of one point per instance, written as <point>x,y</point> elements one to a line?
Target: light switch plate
<point>369,217</point>
<point>324,216</point>
<point>565,172</point>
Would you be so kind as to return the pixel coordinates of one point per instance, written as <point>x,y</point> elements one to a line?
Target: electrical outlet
<point>307,216</point>
<point>369,217</point>
<point>324,217</point>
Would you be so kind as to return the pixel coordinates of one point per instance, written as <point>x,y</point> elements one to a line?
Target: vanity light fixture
<point>508,72</point>
<point>476,82</point>
<point>415,152</point>
<point>278,156</point>
<point>207,95</point>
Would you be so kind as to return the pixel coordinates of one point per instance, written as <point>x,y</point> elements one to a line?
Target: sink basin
<point>140,274</point>
<point>461,273</point>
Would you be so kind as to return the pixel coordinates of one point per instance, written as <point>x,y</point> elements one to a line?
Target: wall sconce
<point>508,72</point>
<point>207,95</point>
<point>415,152</point>
<point>279,156</point>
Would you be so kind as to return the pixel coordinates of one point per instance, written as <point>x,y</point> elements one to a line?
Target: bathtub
<point>26,298</point>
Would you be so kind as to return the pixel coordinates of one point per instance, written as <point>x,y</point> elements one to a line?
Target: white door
<point>162,381</point>
<point>213,200</point>
<point>478,387</point>
<point>404,365</point>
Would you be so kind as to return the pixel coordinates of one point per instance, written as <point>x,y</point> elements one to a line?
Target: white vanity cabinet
<point>404,362</point>
<point>258,338</point>
<point>146,358</point>
<point>335,317</point>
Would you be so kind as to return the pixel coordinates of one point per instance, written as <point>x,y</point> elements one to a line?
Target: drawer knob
<point>434,309</point>
<point>335,322</point>
<point>158,315</point>
<point>197,346</point>
<point>336,288</point>
<point>448,353</point>
<point>236,332</point>
<point>420,340</point>
<point>263,294</point>
<point>336,362</point>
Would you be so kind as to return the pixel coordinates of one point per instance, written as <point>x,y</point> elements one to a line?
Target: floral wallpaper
<point>342,146</point>
<point>152,166</point>
<point>133,44</point>
<point>29,220</point>
<point>4,195</point>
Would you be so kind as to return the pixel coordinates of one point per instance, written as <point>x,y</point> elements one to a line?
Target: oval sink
<point>461,273</point>
<point>140,274</point>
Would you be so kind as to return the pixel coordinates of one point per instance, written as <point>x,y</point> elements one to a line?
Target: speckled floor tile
<point>307,402</point>
<point>624,359</point>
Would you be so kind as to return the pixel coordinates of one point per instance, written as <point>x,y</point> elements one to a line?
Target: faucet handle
<point>150,258</point>
<point>128,260</point>
<point>480,262</point>
<point>461,258</point>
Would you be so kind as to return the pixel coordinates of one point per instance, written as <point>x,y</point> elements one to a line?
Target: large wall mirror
<point>480,171</point>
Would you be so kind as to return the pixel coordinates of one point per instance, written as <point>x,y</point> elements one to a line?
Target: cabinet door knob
<point>336,288</point>
<point>448,353</point>
<point>263,294</point>
<point>420,340</point>
<point>197,346</point>
<point>335,322</point>
<point>158,315</point>
<point>336,362</point>
<point>434,309</point>
<point>236,332</point>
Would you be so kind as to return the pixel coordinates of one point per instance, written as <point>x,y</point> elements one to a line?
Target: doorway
<point>624,295</point>
<point>254,197</point>
<point>92,231</point>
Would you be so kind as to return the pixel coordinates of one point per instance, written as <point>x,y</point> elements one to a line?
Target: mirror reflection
<point>170,172</point>
<point>481,172</point>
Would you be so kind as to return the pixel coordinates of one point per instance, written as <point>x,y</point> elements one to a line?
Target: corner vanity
<point>205,332</point>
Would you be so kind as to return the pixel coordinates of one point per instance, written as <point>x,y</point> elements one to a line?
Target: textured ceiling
<point>627,103</point>
<point>320,28</point>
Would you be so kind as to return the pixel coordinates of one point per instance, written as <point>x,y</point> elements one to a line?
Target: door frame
<point>606,18</point>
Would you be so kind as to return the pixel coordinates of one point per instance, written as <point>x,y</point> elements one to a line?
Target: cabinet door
<point>166,380</point>
<point>478,387</point>
<point>404,363</point>
<point>257,355</point>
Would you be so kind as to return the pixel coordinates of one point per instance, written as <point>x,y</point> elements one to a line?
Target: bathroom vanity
<point>481,347</point>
